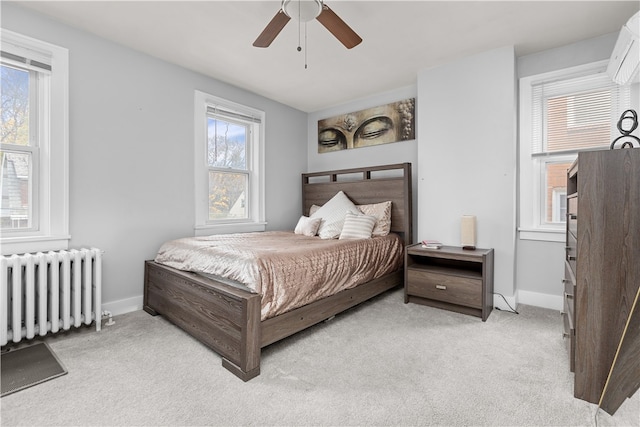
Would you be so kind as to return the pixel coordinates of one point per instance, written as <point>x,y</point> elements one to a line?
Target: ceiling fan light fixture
<point>302,10</point>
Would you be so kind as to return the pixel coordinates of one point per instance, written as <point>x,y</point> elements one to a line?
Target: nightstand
<point>450,278</point>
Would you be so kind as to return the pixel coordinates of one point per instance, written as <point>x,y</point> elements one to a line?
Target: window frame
<point>532,167</point>
<point>255,166</point>
<point>50,230</point>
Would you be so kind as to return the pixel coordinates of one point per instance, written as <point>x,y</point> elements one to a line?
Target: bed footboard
<point>227,319</point>
<point>222,317</point>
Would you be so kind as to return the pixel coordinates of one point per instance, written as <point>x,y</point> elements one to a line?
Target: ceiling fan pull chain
<point>305,45</point>
<point>299,29</point>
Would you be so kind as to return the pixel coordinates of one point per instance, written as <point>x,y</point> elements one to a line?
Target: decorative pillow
<point>313,209</point>
<point>333,213</point>
<point>357,226</point>
<point>307,226</point>
<point>382,213</point>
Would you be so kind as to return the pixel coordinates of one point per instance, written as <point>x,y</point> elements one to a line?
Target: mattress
<point>289,270</point>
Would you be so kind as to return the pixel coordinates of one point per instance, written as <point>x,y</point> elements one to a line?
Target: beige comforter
<point>288,269</point>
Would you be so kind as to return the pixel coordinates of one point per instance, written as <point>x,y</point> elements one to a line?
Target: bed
<point>231,319</point>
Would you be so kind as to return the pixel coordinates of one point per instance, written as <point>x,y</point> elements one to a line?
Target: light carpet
<point>381,363</point>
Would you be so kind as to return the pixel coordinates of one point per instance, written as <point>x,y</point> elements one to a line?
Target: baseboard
<point>123,306</point>
<point>553,302</point>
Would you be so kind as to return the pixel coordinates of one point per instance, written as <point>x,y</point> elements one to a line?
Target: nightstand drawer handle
<point>441,287</point>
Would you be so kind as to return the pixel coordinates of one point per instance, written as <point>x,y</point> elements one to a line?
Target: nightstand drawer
<point>442,287</point>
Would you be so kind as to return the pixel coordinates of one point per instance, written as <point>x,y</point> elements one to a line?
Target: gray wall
<point>463,156</point>
<point>131,151</point>
<point>465,159</point>
<point>467,155</point>
<point>131,154</point>
<point>541,263</point>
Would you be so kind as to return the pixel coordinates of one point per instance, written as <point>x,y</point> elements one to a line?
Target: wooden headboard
<point>363,186</point>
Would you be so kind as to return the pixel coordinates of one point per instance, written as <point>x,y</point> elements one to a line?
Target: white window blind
<point>227,113</point>
<point>43,64</point>
<point>576,113</point>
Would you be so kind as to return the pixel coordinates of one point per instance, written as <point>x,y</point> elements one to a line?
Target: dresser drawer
<point>572,215</point>
<point>569,332</point>
<point>569,280</point>
<point>571,251</point>
<point>567,312</point>
<point>442,287</point>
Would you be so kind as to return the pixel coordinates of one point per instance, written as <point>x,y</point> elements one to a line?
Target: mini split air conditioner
<point>625,59</point>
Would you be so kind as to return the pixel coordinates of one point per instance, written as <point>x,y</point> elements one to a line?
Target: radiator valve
<point>108,314</point>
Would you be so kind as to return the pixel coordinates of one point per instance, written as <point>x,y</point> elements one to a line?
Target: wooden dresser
<point>602,276</point>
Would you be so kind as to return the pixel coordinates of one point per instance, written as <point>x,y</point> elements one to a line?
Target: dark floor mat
<point>27,366</point>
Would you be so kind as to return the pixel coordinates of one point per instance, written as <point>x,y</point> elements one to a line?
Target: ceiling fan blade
<point>338,28</point>
<point>272,30</point>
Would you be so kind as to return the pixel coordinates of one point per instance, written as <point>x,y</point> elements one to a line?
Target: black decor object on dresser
<point>602,275</point>
<point>450,278</point>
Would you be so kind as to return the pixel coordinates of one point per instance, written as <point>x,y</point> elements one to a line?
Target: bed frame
<point>227,319</point>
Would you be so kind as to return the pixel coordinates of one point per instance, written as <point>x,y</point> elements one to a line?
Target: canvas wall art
<point>373,126</point>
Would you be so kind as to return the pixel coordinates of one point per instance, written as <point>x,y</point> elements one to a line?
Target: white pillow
<point>382,212</point>
<point>313,209</point>
<point>357,226</point>
<point>333,213</point>
<point>307,226</point>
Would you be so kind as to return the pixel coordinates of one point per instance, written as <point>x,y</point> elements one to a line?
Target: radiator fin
<point>48,292</point>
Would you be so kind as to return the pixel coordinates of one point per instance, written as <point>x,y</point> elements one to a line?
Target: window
<point>561,113</point>
<point>229,166</point>
<point>559,204</point>
<point>20,147</point>
<point>33,145</point>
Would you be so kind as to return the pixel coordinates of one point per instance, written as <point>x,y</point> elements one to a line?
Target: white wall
<point>131,151</point>
<point>540,263</point>
<point>467,155</point>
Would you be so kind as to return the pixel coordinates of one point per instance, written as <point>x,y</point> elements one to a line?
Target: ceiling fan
<point>303,11</point>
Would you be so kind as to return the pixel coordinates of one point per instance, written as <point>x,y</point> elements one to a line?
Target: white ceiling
<point>400,39</point>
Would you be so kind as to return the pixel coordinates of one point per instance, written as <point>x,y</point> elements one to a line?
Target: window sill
<point>31,244</point>
<point>542,234</point>
<point>246,227</point>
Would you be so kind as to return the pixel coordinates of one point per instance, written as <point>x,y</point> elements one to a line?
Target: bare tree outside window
<point>228,175</point>
<point>14,117</point>
<point>16,178</point>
